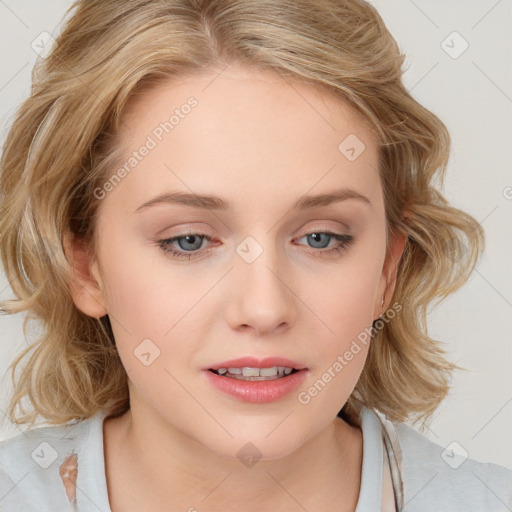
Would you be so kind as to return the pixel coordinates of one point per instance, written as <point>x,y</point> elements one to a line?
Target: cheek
<point>146,294</point>
<point>157,312</point>
<point>143,309</point>
<point>346,307</point>
<point>346,301</point>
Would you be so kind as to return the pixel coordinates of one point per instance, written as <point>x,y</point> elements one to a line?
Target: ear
<point>86,286</point>
<point>389,273</point>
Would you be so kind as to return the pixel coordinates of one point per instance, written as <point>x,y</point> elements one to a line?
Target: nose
<point>262,296</point>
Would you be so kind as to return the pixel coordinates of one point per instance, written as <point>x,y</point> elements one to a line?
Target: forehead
<point>244,98</point>
<point>249,132</point>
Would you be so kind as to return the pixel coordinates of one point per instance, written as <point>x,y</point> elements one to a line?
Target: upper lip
<point>255,362</point>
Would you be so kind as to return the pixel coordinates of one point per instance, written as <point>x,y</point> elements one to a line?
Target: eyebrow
<point>216,203</point>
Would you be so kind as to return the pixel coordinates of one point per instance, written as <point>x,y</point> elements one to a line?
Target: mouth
<point>252,379</point>
<point>254,374</point>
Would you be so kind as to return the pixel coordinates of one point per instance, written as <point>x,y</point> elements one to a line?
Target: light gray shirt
<point>402,470</point>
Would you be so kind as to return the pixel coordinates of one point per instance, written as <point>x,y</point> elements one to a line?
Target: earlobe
<point>85,285</point>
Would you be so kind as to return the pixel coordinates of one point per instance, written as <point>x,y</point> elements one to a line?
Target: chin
<point>257,442</point>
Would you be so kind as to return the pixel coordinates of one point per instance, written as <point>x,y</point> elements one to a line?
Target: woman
<point>271,363</point>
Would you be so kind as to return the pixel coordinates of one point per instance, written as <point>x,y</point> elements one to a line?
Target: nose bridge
<point>263,299</point>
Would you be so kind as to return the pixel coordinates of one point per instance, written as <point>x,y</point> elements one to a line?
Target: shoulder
<point>30,466</point>
<point>437,478</point>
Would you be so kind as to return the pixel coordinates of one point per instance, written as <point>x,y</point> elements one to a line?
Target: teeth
<point>268,372</point>
<point>248,373</point>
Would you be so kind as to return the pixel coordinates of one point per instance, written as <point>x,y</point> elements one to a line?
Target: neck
<point>156,460</point>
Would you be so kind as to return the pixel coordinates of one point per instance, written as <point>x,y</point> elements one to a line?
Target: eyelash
<point>344,242</point>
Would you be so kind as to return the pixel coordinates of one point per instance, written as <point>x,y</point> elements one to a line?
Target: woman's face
<point>253,276</point>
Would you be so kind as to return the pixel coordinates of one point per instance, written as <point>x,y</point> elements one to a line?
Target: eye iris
<point>196,238</point>
<point>315,236</point>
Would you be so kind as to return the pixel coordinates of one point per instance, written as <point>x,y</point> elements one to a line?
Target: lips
<point>255,389</point>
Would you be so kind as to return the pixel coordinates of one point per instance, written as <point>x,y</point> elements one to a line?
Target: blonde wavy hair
<point>63,144</point>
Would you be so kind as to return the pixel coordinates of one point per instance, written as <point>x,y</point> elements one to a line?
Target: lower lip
<point>257,391</point>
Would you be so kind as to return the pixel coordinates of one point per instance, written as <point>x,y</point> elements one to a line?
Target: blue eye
<point>191,243</point>
<point>316,237</point>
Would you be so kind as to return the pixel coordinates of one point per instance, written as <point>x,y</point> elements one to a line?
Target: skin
<point>260,144</point>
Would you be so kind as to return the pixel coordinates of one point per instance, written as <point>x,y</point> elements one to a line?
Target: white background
<point>472,94</point>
